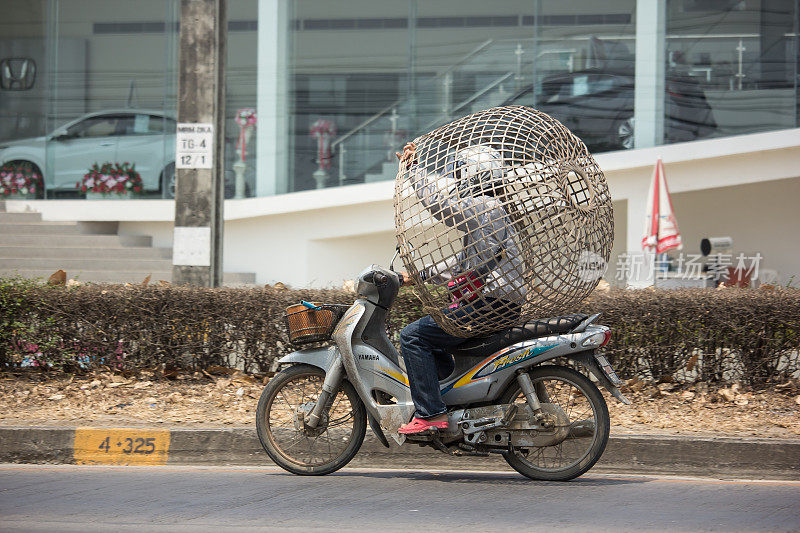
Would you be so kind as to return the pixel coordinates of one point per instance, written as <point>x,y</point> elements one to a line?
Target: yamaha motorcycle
<point>515,392</point>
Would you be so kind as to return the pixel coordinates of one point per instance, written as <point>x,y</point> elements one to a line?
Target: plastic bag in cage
<point>502,217</point>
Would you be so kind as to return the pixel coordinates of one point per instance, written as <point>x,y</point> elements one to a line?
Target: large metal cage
<point>501,216</point>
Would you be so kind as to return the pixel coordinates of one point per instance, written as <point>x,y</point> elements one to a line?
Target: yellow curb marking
<point>121,446</point>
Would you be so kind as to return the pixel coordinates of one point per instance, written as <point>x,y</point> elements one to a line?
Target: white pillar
<point>651,21</point>
<point>272,134</point>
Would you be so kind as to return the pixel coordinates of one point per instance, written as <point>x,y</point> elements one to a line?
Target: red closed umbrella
<point>661,231</point>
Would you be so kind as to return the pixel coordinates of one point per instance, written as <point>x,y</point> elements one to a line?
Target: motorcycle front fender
<point>322,357</point>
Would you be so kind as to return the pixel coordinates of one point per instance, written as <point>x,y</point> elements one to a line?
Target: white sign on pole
<point>194,145</point>
<point>191,246</point>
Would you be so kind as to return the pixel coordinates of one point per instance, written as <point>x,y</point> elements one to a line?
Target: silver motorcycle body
<point>364,355</point>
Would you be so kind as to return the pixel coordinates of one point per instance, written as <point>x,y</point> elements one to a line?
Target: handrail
<point>466,58</point>
<point>483,91</point>
<point>385,110</point>
<point>492,85</point>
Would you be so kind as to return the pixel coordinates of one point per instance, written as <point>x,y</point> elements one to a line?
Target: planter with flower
<point>19,181</point>
<point>111,181</point>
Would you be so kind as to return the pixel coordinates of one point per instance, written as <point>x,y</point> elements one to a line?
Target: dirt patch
<point>229,399</point>
<point>697,410</point>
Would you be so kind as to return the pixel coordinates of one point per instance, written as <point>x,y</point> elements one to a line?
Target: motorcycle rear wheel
<point>583,403</point>
<point>284,436</point>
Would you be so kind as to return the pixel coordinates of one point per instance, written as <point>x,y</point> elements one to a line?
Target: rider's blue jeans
<point>425,347</point>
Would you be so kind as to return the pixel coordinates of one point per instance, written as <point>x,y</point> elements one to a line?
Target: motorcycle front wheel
<point>582,407</point>
<point>281,427</point>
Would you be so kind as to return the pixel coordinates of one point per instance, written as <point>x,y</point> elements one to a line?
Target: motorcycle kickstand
<point>437,443</point>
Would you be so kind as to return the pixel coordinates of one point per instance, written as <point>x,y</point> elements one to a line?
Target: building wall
<point>761,217</point>
<point>746,187</point>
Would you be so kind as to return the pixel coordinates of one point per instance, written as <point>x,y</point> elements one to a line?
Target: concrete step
<point>127,252</point>
<point>40,228</point>
<point>80,240</point>
<point>128,276</point>
<point>85,263</point>
<point>19,217</point>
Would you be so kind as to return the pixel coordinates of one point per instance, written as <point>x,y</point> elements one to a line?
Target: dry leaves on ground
<point>229,398</point>
<point>696,409</point>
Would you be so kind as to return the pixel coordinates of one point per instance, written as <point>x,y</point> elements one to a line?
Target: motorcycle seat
<point>486,345</point>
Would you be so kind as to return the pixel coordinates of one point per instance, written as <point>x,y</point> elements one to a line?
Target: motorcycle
<point>548,421</point>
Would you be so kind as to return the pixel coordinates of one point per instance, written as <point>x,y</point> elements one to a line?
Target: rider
<point>489,253</point>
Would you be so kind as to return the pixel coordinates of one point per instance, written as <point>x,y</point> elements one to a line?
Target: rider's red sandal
<point>420,425</point>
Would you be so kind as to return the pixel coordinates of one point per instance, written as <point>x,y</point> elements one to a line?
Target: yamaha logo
<point>17,74</point>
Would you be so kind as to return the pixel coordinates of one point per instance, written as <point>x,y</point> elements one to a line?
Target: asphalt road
<point>74,498</point>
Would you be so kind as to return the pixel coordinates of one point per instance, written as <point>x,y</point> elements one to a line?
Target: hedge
<point>752,336</point>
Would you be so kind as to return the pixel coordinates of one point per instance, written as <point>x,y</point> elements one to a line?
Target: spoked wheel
<point>581,425</point>
<point>281,427</point>
<point>624,130</point>
<point>168,181</point>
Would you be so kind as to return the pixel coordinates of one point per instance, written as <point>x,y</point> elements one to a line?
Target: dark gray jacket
<point>489,245</point>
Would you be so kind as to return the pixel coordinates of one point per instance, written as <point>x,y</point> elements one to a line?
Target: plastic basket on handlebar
<point>306,325</point>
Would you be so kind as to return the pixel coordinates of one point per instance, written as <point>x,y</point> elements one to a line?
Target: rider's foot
<point>420,425</point>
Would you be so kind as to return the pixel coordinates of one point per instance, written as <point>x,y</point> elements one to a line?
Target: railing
<point>374,140</point>
<point>392,112</point>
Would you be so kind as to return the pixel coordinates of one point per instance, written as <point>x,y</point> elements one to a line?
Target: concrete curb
<point>651,454</point>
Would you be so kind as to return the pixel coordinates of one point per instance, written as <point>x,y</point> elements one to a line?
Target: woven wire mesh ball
<point>502,216</point>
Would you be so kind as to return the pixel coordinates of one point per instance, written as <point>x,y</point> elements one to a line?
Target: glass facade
<point>104,90</point>
<point>340,86</point>
<point>732,67</point>
<point>381,76</point>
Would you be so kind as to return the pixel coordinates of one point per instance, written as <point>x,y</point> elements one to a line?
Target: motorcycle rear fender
<point>590,363</point>
<point>587,360</point>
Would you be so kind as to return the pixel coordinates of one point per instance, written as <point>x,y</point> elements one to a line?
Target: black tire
<point>602,424</point>
<point>21,163</point>
<point>624,130</point>
<point>167,181</point>
<point>269,432</point>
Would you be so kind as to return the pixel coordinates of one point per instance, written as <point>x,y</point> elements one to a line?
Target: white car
<point>141,137</point>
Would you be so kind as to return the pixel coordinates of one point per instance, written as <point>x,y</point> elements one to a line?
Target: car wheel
<point>168,181</point>
<point>624,132</point>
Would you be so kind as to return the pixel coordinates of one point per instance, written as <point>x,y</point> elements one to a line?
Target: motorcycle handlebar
<point>376,277</point>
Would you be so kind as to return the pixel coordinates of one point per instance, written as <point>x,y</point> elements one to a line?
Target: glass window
<point>350,65</point>
<point>145,124</point>
<point>400,69</point>
<point>23,63</point>
<point>731,68</point>
<point>364,77</point>
<point>241,134</point>
<point>111,66</point>
<point>100,126</point>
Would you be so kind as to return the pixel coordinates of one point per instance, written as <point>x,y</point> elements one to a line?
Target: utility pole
<point>199,190</point>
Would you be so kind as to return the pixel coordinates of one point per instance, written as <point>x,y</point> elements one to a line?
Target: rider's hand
<point>405,277</point>
<point>408,156</point>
